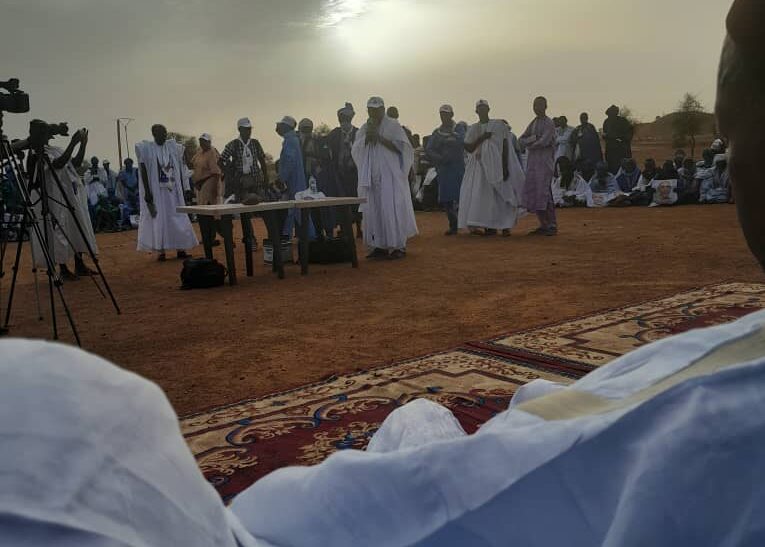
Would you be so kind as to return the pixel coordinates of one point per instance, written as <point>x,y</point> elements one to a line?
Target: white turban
<point>375,102</point>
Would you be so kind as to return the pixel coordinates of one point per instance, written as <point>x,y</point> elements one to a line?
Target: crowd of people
<point>482,175</point>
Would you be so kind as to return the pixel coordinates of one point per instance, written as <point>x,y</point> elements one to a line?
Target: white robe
<point>580,190</point>
<point>388,216</point>
<point>168,230</point>
<point>563,146</point>
<point>64,237</point>
<point>662,447</point>
<point>486,199</point>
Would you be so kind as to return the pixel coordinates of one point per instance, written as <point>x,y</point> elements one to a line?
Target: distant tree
<point>190,145</point>
<point>688,122</point>
<point>322,130</point>
<point>626,112</point>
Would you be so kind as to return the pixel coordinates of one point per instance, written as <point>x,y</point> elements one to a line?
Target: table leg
<point>305,218</point>
<point>227,231</point>
<point>274,228</point>
<point>347,222</point>
<point>206,227</point>
<point>248,239</point>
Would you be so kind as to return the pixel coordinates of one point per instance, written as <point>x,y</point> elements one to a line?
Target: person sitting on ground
<point>603,186</point>
<point>687,184</point>
<point>127,184</point>
<point>642,194</point>
<point>569,188</point>
<point>715,188</point>
<point>679,158</point>
<point>628,175</point>
<point>586,169</point>
<point>668,171</point>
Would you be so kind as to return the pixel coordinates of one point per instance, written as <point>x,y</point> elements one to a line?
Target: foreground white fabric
<point>91,455</point>
<point>683,466</point>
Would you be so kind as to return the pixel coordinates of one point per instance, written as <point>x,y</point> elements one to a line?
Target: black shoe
<point>378,253</point>
<point>182,255</point>
<point>162,257</point>
<point>491,232</point>
<point>450,232</point>
<point>397,254</point>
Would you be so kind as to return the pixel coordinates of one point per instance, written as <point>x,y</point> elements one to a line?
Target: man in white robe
<point>161,190</point>
<point>65,238</point>
<point>494,178</point>
<point>383,154</point>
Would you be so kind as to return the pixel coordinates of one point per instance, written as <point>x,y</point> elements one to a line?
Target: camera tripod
<point>34,192</point>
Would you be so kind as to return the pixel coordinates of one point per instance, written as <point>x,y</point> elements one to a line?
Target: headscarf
<point>92,455</point>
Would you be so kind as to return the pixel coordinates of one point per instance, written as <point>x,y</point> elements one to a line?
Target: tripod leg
<point>16,262</point>
<point>37,295</point>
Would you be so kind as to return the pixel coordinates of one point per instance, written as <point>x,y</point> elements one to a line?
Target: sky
<point>198,66</point>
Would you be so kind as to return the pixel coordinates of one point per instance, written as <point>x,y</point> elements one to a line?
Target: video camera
<point>15,101</point>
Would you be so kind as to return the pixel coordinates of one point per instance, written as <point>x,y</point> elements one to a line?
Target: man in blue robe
<point>445,150</point>
<point>291,169</point>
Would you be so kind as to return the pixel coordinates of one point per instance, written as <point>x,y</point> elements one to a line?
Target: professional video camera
<point>42,212</point>
<point>15,101</point>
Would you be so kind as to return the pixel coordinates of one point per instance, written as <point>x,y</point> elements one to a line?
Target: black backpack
<point>202,273</point>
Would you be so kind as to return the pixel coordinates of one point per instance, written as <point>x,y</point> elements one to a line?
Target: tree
<point>688,122</point>
<point>626,112</point>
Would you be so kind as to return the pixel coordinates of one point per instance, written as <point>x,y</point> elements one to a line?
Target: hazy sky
<point>197,66</point>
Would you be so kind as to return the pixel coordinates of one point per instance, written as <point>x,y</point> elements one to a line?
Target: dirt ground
<point>208,348</point>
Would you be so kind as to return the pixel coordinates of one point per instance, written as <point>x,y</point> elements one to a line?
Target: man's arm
<point>61,161</point>
<point>473,146</point>
<point>505,158</point>
<point>262,161</point>
<point>148,197</point>
<point>78,159</point>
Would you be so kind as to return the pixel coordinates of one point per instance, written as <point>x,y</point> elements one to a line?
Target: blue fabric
<point>627,181</point>
<point>606,186</point>
<point>292,173</point>
<point>448,156</point>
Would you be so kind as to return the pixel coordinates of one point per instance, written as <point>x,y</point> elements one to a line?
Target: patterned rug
<point>237,444</point>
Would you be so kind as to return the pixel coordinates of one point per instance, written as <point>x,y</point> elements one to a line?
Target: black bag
<point>202,273</point>
<point>329,251</point>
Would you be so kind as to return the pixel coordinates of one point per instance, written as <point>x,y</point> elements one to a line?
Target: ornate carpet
<point>237,444</point>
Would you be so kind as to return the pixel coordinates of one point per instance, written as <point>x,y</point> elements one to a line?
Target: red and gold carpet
<point>237,444</point>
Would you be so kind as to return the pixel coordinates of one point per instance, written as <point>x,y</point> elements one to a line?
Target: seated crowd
<point>112,197</point>
<point>680,181</point>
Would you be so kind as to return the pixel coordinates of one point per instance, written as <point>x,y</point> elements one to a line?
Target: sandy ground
<point>208,348</point>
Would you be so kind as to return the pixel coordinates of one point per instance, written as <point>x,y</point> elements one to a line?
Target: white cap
<point>375,102</point>
<point>205,137</point>
<point>482,102</point>
<point>289,121</point>
<point>244,122</point>
<point>446,108</point>
<point>717,144</point>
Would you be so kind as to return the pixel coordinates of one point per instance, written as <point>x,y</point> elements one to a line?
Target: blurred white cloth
<point>92,455</point>
<point>662,447</point>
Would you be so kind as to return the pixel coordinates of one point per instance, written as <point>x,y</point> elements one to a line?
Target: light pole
<point>122,123</point>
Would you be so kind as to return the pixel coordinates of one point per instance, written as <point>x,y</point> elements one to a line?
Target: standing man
<point>586,141</point>
<point>291,170</point>
<point>384,157</point>
<point>127,185</point>
<point>206,178</point>
<point>446,151</point>
<point>161,191</point>
<point>493,179</point>
<point>539,140</point>
<point>617,132</point>
<point>66,237</point>
<point>246,173</point>
<point>340,141</point>
<point>564,133</point>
